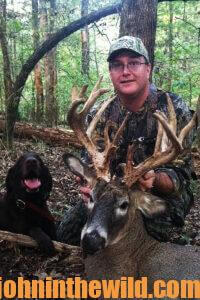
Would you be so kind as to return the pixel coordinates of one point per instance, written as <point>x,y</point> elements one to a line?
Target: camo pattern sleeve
<point>141,129</point>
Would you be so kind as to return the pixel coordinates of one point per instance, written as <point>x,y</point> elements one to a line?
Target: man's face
<point>129,74</point>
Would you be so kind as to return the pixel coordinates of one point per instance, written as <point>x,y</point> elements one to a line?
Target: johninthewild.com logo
<point>76,288</point>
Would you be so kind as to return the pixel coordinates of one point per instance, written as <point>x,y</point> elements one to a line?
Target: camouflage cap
<point>130,43</point>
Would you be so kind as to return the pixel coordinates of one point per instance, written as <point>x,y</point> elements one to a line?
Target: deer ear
<point>78,168</point>
<point>151,205</point>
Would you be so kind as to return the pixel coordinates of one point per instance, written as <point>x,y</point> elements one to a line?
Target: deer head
<point>114,202</point>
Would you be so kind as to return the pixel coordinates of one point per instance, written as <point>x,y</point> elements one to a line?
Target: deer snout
<point>92,242</point>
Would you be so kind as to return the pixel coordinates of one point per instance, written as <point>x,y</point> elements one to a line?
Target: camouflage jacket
<point>141,129</point>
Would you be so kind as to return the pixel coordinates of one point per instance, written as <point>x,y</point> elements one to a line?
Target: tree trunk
<point>4,47</point>
<point>139,18</point>
<point>197,139</point>
<point>95,53</point>
<point>170,44</point>
<point>2,104</point>
<point>51,79</point>
<point>13,56</point>
<point>8,83</point>
<point>85,39</point>
<point>190,91</point>
<point>50,70</point>
<point>38,110</point>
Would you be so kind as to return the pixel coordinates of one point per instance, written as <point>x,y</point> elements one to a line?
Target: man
<point>130,70</point>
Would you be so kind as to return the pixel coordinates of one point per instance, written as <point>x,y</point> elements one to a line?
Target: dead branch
<point>27,241</point>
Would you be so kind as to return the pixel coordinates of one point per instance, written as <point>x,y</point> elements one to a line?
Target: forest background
<point>80,58</point>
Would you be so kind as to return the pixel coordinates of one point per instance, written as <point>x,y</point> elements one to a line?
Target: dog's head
<point>29,177</point>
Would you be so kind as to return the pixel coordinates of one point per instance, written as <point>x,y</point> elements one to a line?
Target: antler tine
<point>77,123</point>
<point>128,168</point>
<point>162,140</point>
<point>76,120</point>
<point>108,143</point>
<point>110,147</point>
<point>78,95</point>
<point>172,115</point>
<point>98,115</point>
<point>83,91</point>
<point>96,93</point>
<point>188,127</point>
<point>120,130</point>
<point>171,135</point>
<point>158,139</point>
<point>133,173</point>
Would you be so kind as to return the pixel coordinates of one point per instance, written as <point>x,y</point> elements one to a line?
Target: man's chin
<point>127,92</point>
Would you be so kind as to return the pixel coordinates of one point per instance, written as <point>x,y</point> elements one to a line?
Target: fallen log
<point>67,263</point>
<point>51,136</point>
<point>27,241</point>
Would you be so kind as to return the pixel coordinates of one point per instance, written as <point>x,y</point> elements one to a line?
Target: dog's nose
<point>31,161</point>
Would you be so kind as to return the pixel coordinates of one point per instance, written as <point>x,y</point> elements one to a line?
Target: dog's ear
<point>11,179</point>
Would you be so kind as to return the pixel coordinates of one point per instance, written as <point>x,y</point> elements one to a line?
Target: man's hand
<point>146,182</point>
<point>84,190</point>
<point>161,181</point>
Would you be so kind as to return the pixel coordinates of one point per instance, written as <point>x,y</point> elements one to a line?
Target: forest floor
<point>30,263</point>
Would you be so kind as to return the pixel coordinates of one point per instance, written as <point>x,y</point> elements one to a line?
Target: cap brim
<point>117,52</point>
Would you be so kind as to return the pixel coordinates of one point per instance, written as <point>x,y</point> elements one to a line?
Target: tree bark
<point>139,18</point>
<point>95,53</point>
<point>6,59</point>
<point>39,107</point>
<point>8,83</point>
<point>50,71</point>
<point>85,39</point>
<point>197,139</point>
<point>170,44</point>
<point>39,53</point>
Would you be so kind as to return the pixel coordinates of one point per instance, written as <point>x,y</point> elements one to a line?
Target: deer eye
<point>124,205</point>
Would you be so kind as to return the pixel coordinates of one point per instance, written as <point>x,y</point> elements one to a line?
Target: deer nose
<point>92,242</point>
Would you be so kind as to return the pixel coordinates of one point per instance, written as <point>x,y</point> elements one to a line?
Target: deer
<point>114,237</point>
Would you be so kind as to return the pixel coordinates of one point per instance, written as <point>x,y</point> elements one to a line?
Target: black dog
<point>24,209</point>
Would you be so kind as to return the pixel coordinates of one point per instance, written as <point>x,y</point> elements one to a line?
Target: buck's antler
<point>76,120</point>
<point>167,145</point>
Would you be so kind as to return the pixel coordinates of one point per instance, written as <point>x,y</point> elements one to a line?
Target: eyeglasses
<point>119,67</point>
